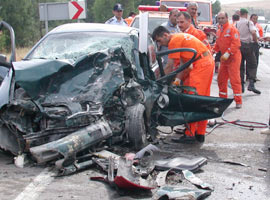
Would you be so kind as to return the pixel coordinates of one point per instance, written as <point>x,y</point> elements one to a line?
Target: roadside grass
<point>20,53</point>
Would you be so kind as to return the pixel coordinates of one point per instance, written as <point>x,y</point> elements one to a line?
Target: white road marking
<point>234,145</point>
<point>39,184</point>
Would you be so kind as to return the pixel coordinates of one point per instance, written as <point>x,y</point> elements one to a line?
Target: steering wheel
<point>169,77</point>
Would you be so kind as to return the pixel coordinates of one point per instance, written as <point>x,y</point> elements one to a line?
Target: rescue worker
<point>130,17</point>
<point>259,32</point>
<point>184,24</point>
<point>228,43</point>
<point>192,10</point>
<point>198,75</point>
<point>117,18</point>
<point>247,32</point>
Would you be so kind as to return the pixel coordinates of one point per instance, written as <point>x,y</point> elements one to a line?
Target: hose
<point>250,125</point>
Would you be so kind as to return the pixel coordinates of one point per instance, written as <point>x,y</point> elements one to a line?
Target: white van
<point>261,20</point>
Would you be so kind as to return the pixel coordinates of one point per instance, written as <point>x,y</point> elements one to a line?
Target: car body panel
<point>266,44</point>
<point>57,108</point>
<point>155,19</point>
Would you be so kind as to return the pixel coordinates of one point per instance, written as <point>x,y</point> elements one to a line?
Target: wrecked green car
<point>83,84</point>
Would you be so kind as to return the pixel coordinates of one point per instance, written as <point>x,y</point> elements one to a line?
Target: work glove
<point>176,82</point>
<point>225,56</point>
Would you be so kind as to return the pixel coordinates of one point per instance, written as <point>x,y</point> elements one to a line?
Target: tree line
<point>23,16</point>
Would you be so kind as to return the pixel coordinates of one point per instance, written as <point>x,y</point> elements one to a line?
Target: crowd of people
<point>236,48</point>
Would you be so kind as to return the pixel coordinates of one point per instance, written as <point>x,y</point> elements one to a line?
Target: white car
<point>85,85</point>
<point>266,44</point>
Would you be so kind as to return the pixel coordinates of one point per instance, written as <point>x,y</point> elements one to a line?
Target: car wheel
<point>135,126</point>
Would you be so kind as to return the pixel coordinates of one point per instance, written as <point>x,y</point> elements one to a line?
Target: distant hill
<point>258,7</point>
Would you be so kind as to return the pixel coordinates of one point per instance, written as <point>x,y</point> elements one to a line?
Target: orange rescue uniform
<point>198,34</point>
<point>129,20</point>
<point>260,29</point>
<point>228,40</point>
<point>200,75</point>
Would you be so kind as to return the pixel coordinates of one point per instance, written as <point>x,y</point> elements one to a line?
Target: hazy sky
<point>236,1</point>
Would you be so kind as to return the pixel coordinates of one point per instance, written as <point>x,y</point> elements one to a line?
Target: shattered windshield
<point>71,46</point>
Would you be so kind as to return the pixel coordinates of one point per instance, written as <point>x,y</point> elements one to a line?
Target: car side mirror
<point>3,61</point>
<point>3,58</point>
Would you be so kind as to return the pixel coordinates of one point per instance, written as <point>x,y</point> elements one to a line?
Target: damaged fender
<point>73,143</point>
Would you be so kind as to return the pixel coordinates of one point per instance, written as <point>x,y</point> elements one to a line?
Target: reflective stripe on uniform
<point>237,95</point>
<point>223,93</point>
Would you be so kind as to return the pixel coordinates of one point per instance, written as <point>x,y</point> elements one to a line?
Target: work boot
<point>200,138</point>
<point>266,131</point>
<point>238,106</point>
<point>251,87</point>
<point>185,139</point>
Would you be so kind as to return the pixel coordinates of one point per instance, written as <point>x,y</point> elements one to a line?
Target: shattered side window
<point>151,52</point>
<point>71,46</point>
<point>3,73</point>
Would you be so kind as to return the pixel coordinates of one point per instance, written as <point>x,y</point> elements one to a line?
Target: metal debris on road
<point>181,193</point>
<point>234,163</point>
<point>180,163</point>
<point>196,181</point>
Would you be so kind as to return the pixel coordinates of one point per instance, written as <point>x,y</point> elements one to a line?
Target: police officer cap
<point>243,11</point>
<point>118,7</point>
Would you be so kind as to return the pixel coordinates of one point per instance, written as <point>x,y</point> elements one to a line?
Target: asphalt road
<point>226,143</point>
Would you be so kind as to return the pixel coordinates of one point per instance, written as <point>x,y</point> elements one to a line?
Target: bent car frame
<point>85,84</point>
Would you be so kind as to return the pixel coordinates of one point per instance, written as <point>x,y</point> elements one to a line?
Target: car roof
<point>80,27</point>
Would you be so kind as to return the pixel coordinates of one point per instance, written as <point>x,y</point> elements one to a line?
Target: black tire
<point>135,126</point>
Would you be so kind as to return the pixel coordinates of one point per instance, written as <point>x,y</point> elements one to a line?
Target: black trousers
<point>248,62</point>
<point>256,48</point>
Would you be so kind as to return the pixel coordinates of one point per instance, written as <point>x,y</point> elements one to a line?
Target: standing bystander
<point>259,32</point>
<point>192,10</point>
<point>235,18</point>
<point>117,18</point>
<point>170,25</point>
<point>228,43</point>
<point>247,32</point>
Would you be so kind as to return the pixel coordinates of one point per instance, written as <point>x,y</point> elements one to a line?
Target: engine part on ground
<point>72,143</point>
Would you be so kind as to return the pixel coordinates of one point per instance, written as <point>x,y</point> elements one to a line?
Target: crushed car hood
<point>92,79</point>
<point>53,99</point>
